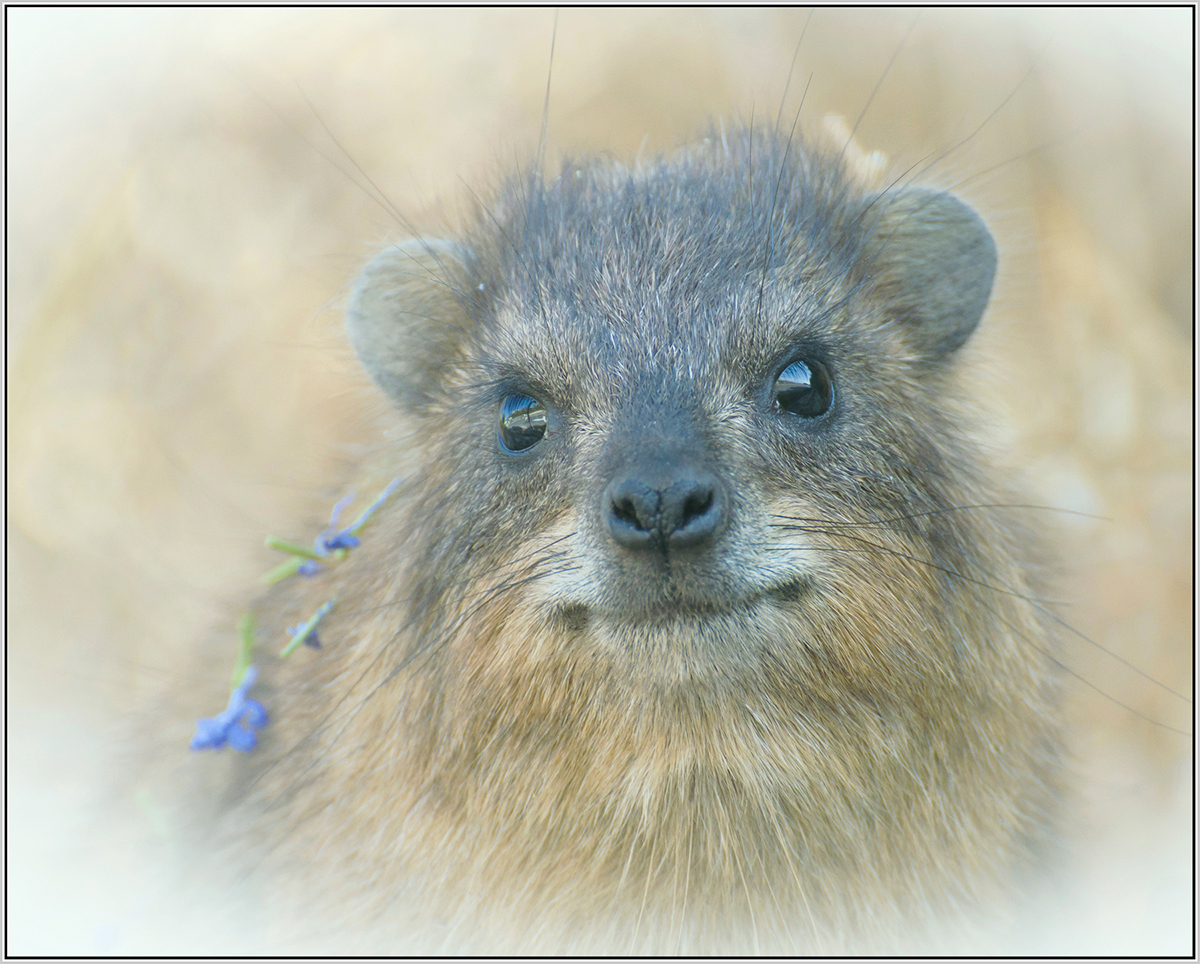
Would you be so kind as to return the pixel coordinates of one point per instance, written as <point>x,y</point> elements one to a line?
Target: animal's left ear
<point>407,318</point>
<point>934,259</point>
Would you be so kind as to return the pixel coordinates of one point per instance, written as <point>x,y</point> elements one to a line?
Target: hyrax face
<point>690,617</point>
<point>692,604</point>
<point>694,397</point>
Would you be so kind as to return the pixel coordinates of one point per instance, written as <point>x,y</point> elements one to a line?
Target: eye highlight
<point>523,422</point>
<point>804,389</point>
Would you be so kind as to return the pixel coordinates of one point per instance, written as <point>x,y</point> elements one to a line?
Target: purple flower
<point>306,632</point>
<point>332,539</point>
<point>236,725</point>
<point>310,639</point>
<point>339,540</point>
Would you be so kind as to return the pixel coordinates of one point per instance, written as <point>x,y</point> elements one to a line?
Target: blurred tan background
<point>188,197</point>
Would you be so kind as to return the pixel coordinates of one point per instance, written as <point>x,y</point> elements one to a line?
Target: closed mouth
<point>575,617</point>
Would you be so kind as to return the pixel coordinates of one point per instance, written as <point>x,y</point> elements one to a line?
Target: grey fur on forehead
<point>676,249</point>
<point>742,242</point>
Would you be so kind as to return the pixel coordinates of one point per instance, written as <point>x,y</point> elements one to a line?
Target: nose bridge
<point>660,420</point>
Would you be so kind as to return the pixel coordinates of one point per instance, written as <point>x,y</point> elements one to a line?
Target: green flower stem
<point>282,571</point>
<point>303,631</point>
<point>292,548</point>
<point>245,648</point>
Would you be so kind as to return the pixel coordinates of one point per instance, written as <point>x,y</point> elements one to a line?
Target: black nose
<point>684,511</point>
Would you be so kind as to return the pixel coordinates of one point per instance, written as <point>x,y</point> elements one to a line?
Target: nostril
<point>625,509</point>
<point>632,513</point>
<point>700,514</point>
<point>696,504</point>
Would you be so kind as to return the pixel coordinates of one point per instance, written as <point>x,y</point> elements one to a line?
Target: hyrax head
<point>663,398</point>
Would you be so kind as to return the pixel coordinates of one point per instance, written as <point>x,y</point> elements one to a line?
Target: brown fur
<point>843,765</point>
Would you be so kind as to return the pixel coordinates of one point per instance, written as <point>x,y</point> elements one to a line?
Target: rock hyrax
<point>698,622</point>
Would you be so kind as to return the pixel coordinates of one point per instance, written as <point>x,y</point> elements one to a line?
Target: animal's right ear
<point>406,318</point>
<point>936,260</point>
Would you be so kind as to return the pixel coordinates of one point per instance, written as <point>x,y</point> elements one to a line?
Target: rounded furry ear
<point>935,259</point>
<point>406,317</point>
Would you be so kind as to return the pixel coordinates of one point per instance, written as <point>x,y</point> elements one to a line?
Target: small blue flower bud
<point>343,540</point>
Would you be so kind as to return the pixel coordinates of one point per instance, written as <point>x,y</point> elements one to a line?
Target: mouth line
<point>790,591</point>
<point>576,616</point>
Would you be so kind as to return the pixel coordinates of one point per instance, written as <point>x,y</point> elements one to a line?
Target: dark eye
<point>804,389</point>
<point>522,422</point>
